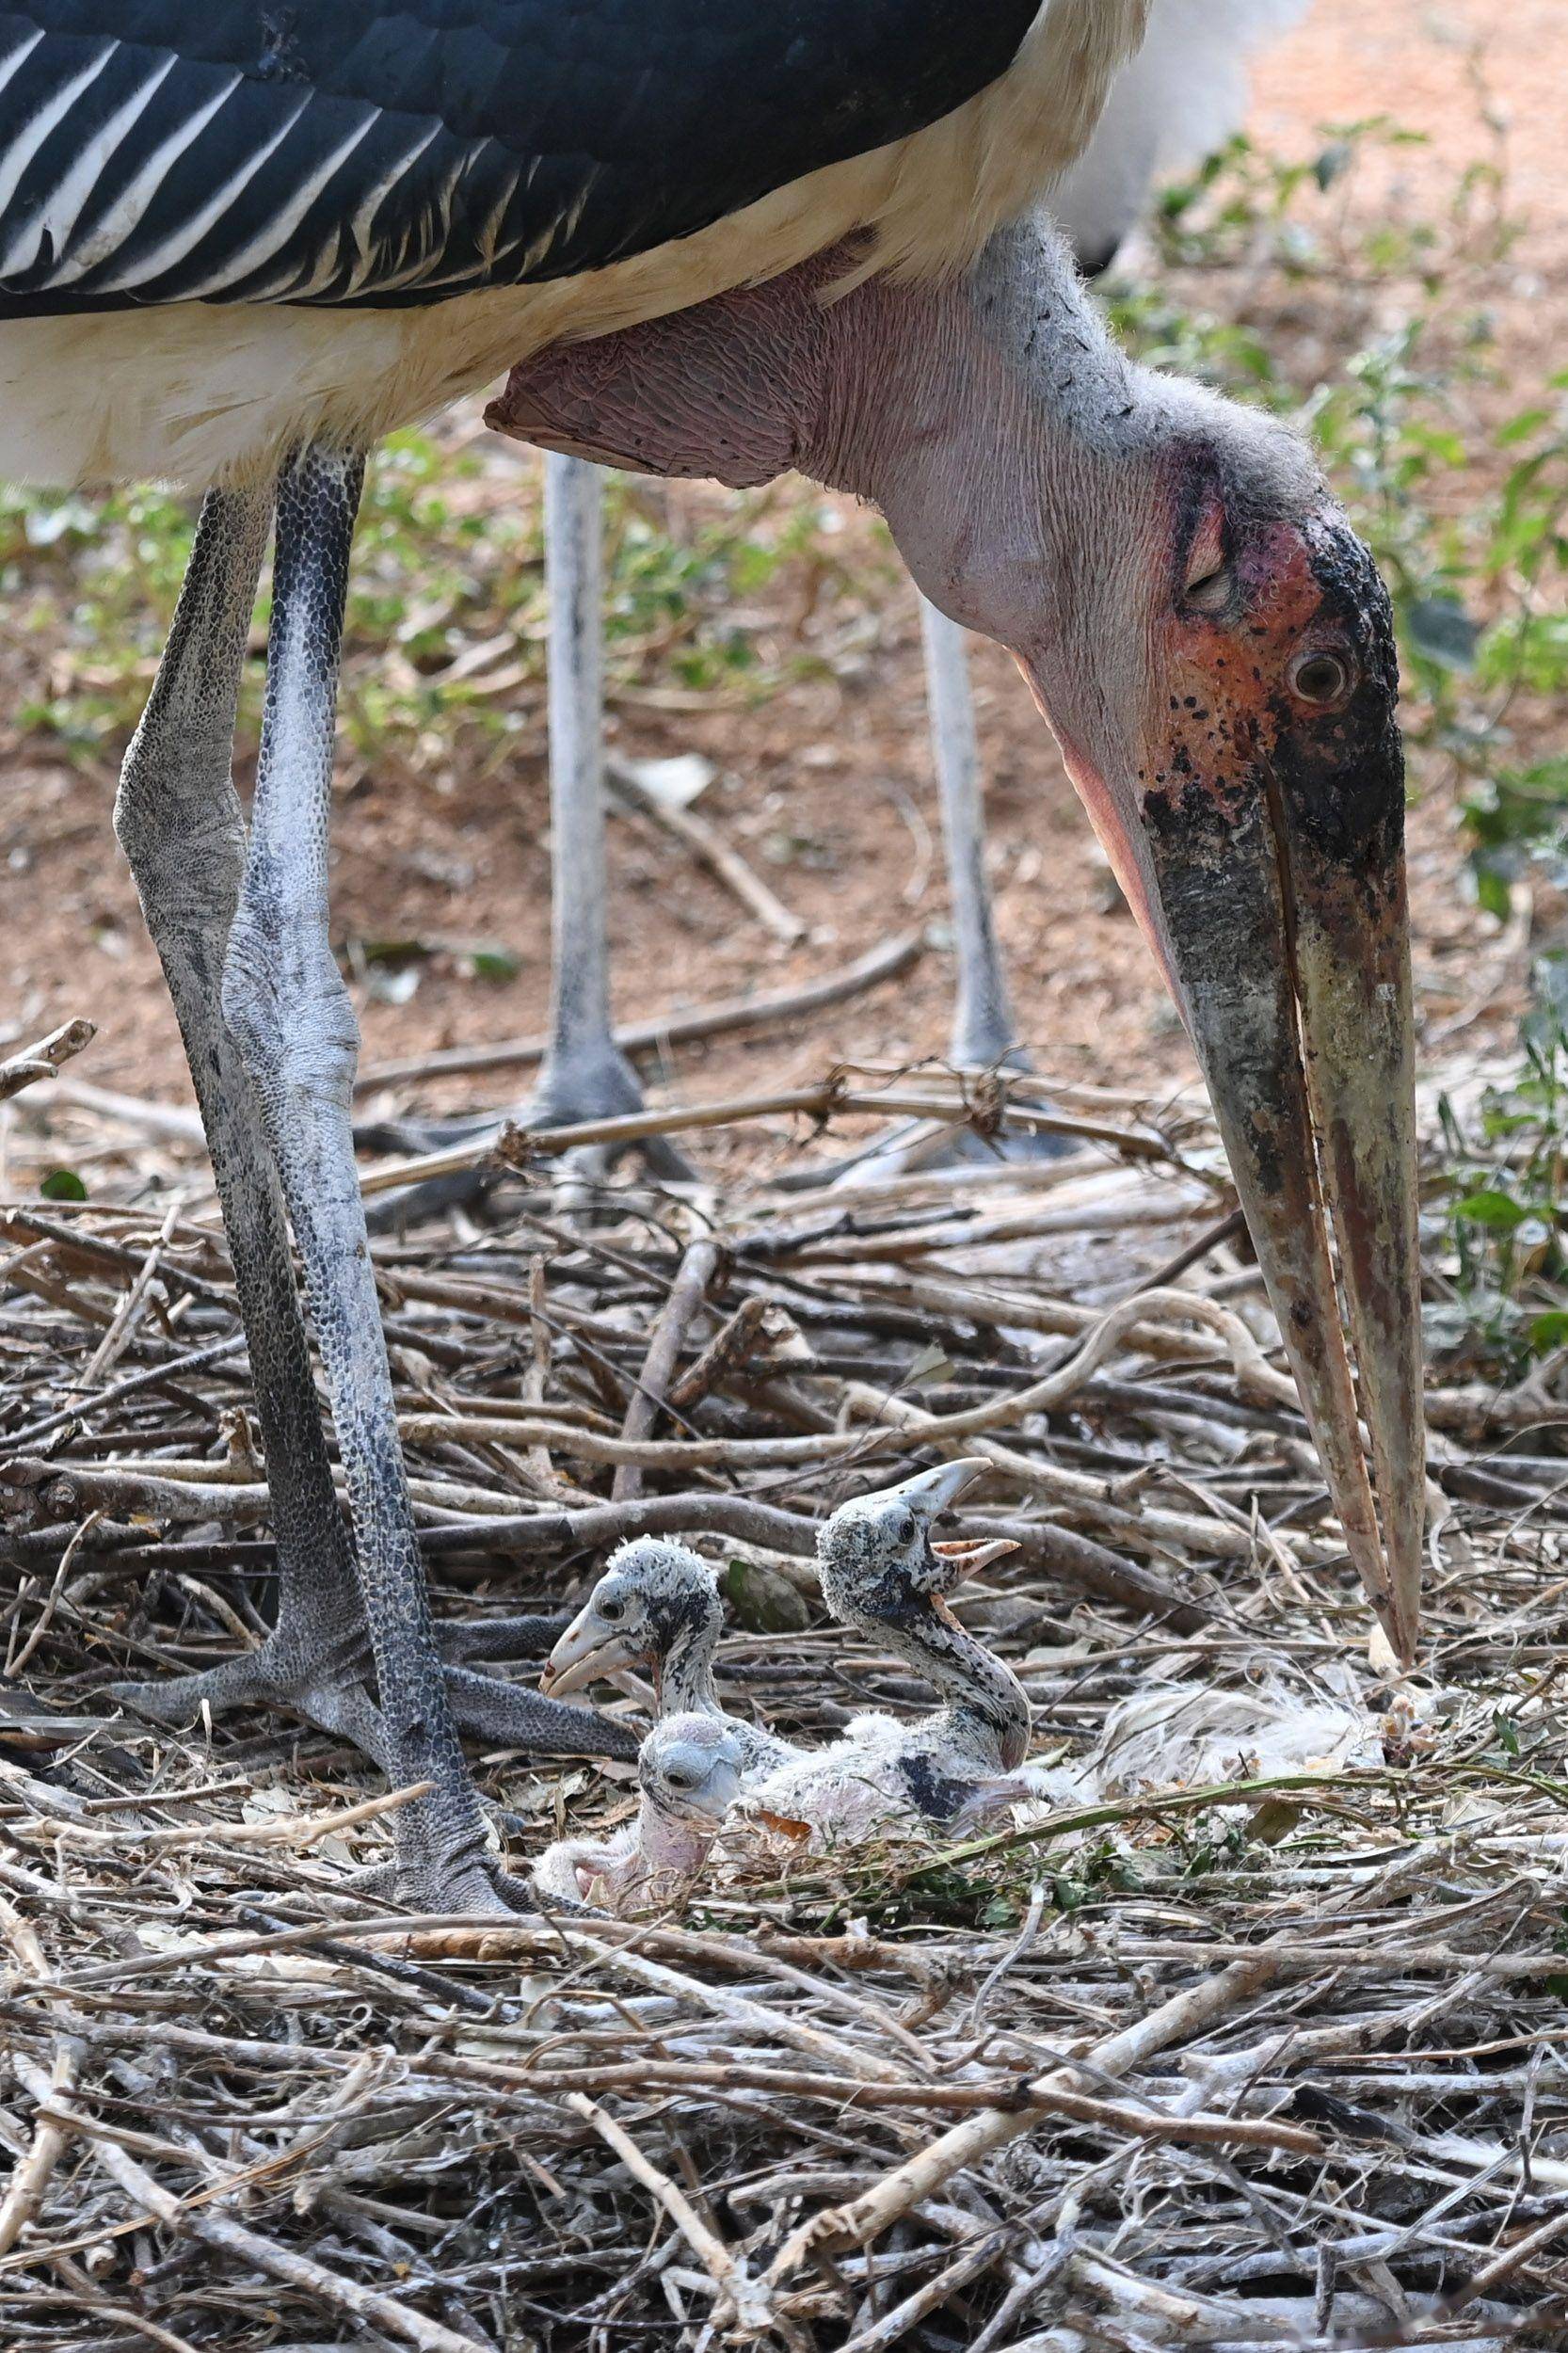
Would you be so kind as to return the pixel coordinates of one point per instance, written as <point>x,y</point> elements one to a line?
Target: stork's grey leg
<point>289,1013</point>
<point>585,1075</point>
<point>178,819</point>
<point>983,1026</point>
<point>984,1032</point>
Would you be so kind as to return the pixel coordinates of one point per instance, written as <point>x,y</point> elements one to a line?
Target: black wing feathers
<point>335,152</point>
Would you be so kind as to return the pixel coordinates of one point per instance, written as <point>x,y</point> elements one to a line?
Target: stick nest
<point>1273,2059</point>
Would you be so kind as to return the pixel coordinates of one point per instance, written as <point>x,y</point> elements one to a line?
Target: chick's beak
<point>1277,904</point>
<point>969,1557</point>
<point>587,1650</point>
<point>932,1493</point>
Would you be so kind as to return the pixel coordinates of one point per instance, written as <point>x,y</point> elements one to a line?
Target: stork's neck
<point>990,417</point>
<point>986,418</point>
<point>668,1840</point>
<point>986,1718</point>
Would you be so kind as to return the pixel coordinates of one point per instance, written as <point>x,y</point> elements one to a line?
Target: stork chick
<point>657,1605</point>
<point>881,1573</point>
<point>689,1771</point>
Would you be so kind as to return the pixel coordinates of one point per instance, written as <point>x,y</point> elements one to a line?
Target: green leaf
<point>1493,893</point>
<point>1519,428</point>
<point>63,1184</point>
<point>1549,1330</point>
<point>1496,1209</point>
<point>496,965</point>
<point>392,951</point>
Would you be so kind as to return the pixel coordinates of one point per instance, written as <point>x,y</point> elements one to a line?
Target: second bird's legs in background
<point>983,1030</point>
<point>585,1075</point>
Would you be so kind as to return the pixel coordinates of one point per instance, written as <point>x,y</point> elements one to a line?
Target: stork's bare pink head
<point>1213,648</point>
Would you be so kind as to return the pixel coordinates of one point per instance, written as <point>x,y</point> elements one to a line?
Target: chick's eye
<point>1320,676</point>
<point>612,1610</point>
<point>907,1530</point>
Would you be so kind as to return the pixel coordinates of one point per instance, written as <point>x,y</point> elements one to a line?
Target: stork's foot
<point>916,1146</point>
<point>572,1092</point>
<point>462,1641</point>
<point>907,1150</point>
<point>333,1696</point>
<point>443,1859</point>
<point>426,1884</point>
<point>502,1713</point>
<point>585,1087</point>
<point>511,1716</point>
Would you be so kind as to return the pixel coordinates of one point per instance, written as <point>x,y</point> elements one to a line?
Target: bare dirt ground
<point>826,788</point>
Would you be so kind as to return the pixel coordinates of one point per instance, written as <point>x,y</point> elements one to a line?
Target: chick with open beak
<point>883,1572</point>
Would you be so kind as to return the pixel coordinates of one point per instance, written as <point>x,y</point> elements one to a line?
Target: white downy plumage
<point>881,1573</point>
<point>657,1605</point>
<point>689,1772</point>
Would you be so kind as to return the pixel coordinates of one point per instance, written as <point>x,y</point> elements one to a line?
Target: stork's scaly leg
<point>983,1033</point>
<point>179,822</point>
<point>178,819</point>
<point>585,1075</point>
<point>288,1010</point>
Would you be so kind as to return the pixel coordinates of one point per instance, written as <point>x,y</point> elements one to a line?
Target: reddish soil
<point>826,788</point>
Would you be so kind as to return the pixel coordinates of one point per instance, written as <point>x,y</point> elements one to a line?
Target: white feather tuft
<point>1180,98</point>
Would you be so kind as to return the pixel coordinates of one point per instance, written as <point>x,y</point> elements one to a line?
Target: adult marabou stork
<point>238,240</point>
<point>1175,101</point>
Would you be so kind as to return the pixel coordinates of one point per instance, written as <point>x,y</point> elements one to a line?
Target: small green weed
<point>1507,1212</point>
<point>444,637</point>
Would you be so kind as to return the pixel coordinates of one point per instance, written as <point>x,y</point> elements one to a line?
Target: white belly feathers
<point>193,393</point>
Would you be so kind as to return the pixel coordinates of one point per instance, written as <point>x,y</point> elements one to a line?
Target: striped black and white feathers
<point>247,150</point>
<point>228,226</point>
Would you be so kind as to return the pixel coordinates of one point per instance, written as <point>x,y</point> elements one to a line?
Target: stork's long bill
<point>1266,866</point>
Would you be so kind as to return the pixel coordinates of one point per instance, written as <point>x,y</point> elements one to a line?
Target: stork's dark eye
<point>1213,592</point>
<point>681,1777</point>
<point>908,1530</point>
<point>612,1610</point>
<point>1320,678</point>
